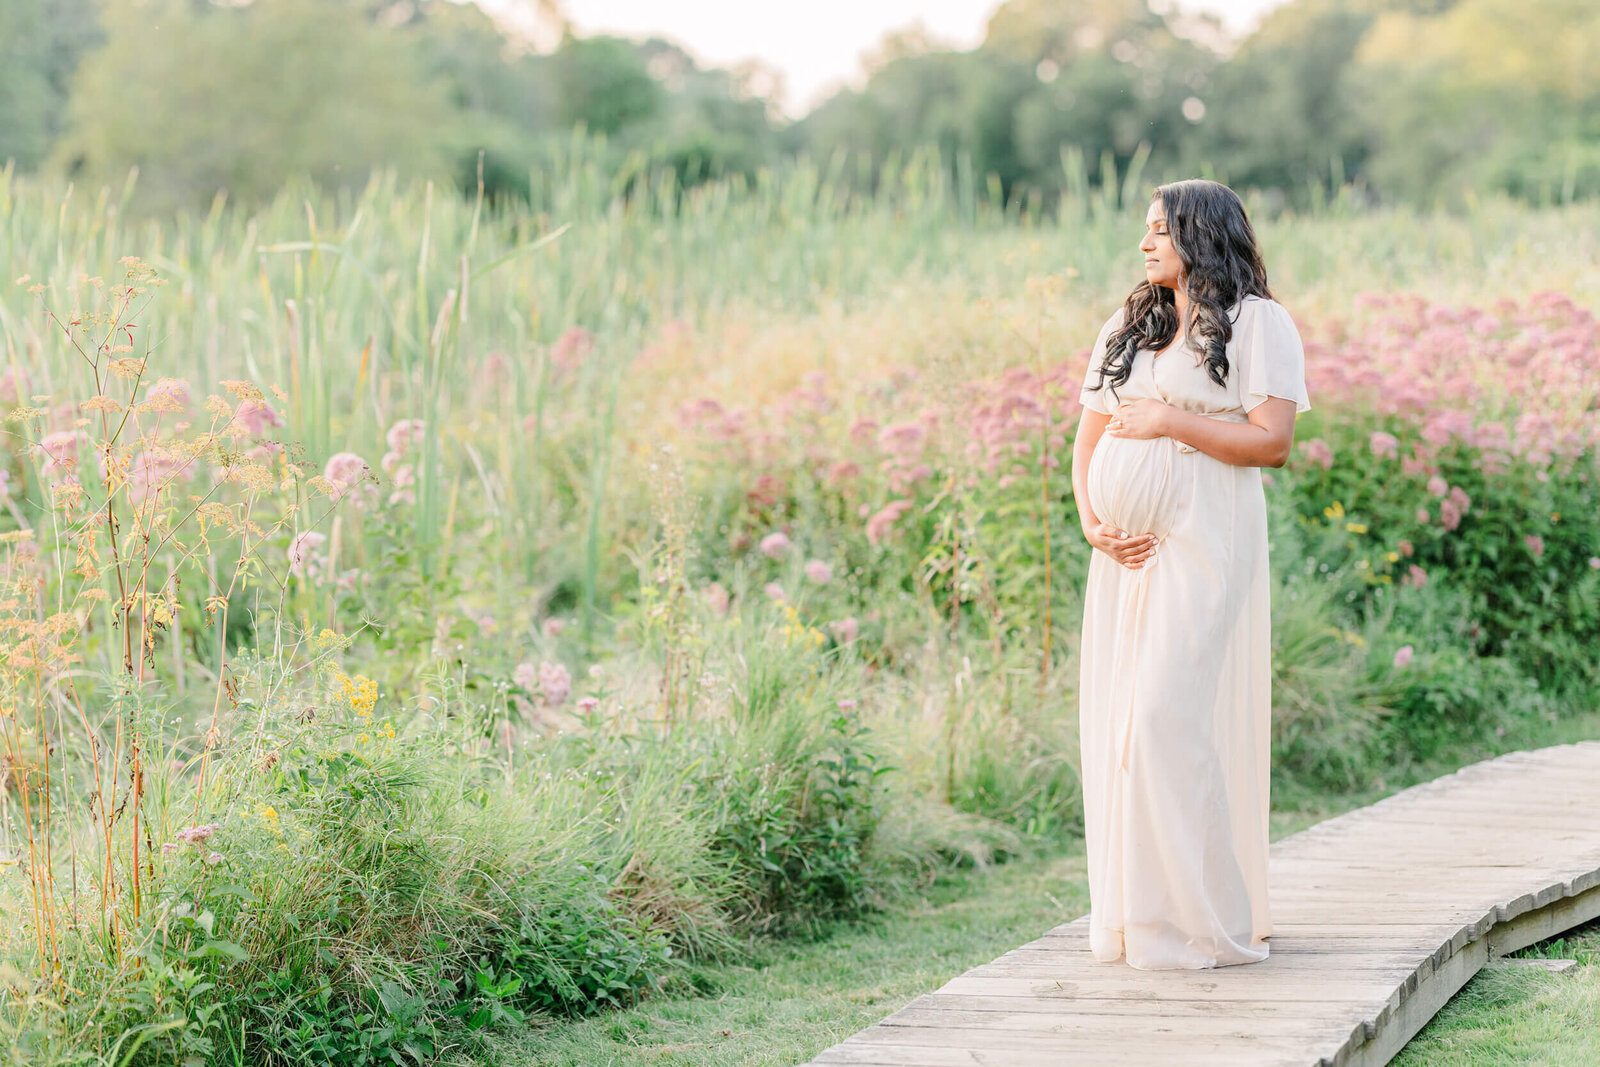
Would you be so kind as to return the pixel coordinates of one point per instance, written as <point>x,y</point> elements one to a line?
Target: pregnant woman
<point>1193,386</point>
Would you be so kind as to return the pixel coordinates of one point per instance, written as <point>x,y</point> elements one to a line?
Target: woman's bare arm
<point>1264,441</point>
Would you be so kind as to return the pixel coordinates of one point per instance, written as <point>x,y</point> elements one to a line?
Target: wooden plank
<point>1378,917</point>
<point>1338,988</point>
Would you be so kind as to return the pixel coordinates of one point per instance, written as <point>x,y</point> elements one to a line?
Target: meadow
<point>422,620</point>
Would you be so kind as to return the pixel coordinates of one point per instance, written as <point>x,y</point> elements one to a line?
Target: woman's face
<point>1161,263</point>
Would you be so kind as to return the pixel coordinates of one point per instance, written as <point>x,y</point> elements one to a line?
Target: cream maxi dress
<point>1175,683</point>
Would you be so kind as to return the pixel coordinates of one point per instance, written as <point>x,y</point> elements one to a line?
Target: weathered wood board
<point>1379,916</point>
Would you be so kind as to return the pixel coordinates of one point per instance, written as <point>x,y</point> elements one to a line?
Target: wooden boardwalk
<point>1380,915</point>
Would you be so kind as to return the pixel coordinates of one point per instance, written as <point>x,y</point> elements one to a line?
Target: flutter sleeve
<point>1099,399</point>
<point>1268,356</point>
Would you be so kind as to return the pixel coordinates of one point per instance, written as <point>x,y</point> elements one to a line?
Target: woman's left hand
<point>1140,418</point>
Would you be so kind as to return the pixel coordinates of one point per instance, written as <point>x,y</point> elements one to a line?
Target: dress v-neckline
<point>1179,342</point>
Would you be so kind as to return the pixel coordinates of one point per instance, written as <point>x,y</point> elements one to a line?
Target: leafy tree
<point>204,98</point>
<point>40,44</point>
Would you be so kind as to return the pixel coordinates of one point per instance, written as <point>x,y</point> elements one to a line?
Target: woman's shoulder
<point>1255,304</point>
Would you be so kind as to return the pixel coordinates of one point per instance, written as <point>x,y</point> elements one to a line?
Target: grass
<point>1514,1016</point>
<point>794,999</point>
<point>791,1000</point>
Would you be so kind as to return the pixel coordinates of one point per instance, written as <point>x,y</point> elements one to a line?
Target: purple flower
<point>197,835</point>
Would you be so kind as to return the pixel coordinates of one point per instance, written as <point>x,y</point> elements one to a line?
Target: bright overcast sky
<point>817,44</point>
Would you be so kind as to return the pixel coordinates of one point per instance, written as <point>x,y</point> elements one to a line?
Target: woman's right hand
<point>1130,550</point>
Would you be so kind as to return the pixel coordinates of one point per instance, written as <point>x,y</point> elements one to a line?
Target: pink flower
<point>167,394</point>
<point>1594,563</point>
<point>775,544</point>
<point>843,471</point>
<point>1383,444</point>
<point>152,470</point>
<point>1268,480</point>
<point>845,630</point>
<point>1415,576</point>
<point>1459,497</point>
<point>1406,548</point>
<point>1423,516</point>
<point>197,835</point>
<point>553,627</point>
<point>302,562</point>
<point>1438,486</point>
<point>902,438</point>
<point>1535,544</point>
<point>878,526</point>
<point>403,434</point>
<point>60,450</point>
<point>554,684</point>
<point>774,591</point>
<point>819,572</point>
<point>1403,656</point>
<point>1449,514</point>
<point>848,705</point>
<point>346,471</point>
<point>568,352</point>
<point>1317,451</point>
<point>716,599</point>
<point>496,367</point>
<point>526,676</point>
<point>12,385</point>
<point>256,417</point>
<point>587,704</point>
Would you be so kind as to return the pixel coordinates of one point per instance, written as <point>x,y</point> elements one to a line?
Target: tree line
<point>1406,100</point>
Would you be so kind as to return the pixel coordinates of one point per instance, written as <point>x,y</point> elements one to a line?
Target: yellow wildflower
<point>1356,527</point>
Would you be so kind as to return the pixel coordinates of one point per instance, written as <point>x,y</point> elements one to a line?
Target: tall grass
<point>714,579</point>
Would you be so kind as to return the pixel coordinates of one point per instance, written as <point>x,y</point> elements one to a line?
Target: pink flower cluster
<point>1518,380</point>
<point>402,438</point>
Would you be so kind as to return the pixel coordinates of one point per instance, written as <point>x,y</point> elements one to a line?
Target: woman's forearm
<point>1243,444</point>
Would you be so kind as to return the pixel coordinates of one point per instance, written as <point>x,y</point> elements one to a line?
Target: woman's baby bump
<point>1131,484</point>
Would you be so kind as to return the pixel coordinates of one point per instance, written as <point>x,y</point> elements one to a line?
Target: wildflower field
<point>419,620</point>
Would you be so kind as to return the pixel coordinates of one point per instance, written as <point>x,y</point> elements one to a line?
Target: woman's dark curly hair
<point>1221,266</point>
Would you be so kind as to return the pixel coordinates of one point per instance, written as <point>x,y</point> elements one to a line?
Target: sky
<point>816,44</point>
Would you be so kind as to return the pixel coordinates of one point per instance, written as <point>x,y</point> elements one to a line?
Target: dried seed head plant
<point>173,512</point>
